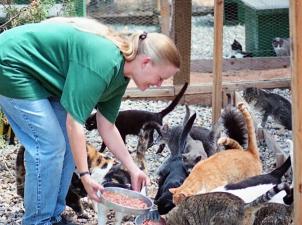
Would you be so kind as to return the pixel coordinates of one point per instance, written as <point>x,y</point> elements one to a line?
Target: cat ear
<point>172,190</point>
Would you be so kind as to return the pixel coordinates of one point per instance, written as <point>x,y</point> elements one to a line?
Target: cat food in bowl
<point>125,201</point>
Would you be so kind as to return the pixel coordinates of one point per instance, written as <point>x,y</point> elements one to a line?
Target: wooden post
<point>182,14</point>
<point>296,65</point>
<point>165,17</point>
<point>217,61</point>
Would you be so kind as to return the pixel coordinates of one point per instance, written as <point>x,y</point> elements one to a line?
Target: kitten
<point>131,121</point>
<point>281,46</point>
<point>270,104</point>
<point>237,51</point>
<point>173,171</point>
<point>98,164</point>
<point>221,208</point>
<point>223,167</point>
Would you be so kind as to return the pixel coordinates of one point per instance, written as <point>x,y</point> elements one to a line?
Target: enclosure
<point>203,31</point>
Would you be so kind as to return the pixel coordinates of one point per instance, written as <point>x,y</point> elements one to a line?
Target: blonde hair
<point>157,46</point>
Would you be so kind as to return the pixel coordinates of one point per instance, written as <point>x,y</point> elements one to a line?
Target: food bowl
<point>126,209</point>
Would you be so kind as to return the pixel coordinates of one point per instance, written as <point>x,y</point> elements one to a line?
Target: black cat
<point>237,50</point>
<point>173,172</point>
<point>131,121</point>
<point>270,104</point>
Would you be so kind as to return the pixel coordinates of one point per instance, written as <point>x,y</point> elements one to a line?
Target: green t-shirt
<point>42,60</point>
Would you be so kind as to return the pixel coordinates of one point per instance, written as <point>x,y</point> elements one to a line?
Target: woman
<point>52,75</point>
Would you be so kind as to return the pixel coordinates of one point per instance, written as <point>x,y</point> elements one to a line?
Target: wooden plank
<point>217,62</point>
<point>203,89</point>
<point>253,63</point>
<point>296,59</point>
<point>182,37</point>
<point>165,16</point>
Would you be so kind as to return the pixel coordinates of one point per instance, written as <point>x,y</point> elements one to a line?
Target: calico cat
<point>173,171</point>
<point>98,164</point>
<point>131,121</point>
<point>237,51</point>
<point>223,167</point>
<point>221,208</point>
<point>281,46</point>
<point>270,104</point>
<point>8,132</point>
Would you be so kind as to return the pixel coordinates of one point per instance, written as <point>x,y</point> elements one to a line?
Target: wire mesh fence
<point>263,21</point>
<point>126,15</point>
<point>253,24</point>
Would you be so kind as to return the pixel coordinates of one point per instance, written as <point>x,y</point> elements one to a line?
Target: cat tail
<point>281,170</point>
<point>20,171</point>
<point>234,124</point>
<point>269,194</point>
<point>184,134</point>
<point>174,102</point>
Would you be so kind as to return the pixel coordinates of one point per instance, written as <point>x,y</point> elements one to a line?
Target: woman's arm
<point>76,136</point>
<point>115,143</point>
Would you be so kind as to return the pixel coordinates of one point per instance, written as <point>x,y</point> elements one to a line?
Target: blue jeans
<point>40,126</point>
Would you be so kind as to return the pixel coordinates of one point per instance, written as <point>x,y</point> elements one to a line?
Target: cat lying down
<point>224,167</point>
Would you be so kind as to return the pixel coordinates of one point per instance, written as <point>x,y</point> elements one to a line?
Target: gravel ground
<point>11,208</point>
<point>11,205</point>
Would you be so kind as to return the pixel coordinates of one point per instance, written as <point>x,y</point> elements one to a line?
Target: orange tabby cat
<point>224,167</point>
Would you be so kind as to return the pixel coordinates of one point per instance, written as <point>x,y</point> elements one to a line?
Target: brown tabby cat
<point>220,208</point>
<point>98,164</point>
<point>223,167</point>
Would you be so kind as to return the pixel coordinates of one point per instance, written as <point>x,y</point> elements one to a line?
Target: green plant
<point>35,11</point>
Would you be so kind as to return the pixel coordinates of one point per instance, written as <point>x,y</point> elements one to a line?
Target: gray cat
<point>220,208</point>
<point>281,46</point>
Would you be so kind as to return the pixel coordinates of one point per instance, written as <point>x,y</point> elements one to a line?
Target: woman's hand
<point>138,179</point>
<point>115,143</point>
<point>92,187</point>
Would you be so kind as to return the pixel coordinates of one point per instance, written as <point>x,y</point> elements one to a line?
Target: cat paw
<point>223,141</point>
<point>241,106</point>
